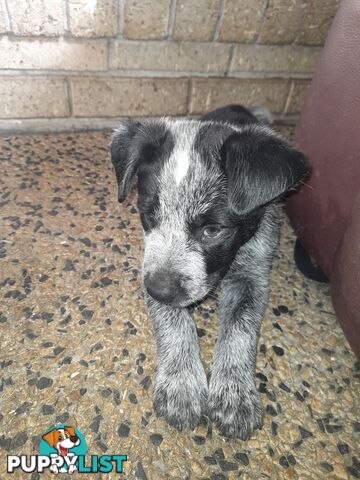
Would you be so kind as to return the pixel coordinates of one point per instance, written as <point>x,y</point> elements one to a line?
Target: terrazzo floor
<point>76,343</point>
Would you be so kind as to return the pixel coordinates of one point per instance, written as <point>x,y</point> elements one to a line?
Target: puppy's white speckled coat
<point>208,195</point>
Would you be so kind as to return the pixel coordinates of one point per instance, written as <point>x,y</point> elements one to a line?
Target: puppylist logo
<point>62,450</point>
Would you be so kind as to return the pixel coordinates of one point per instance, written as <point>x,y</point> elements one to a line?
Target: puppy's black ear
<point>260,167</point>
<point>135,144</point>
<point>123,156</point>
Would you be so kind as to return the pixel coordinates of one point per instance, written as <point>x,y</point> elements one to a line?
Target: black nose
<point>164,286</point>
<point>74,438</point>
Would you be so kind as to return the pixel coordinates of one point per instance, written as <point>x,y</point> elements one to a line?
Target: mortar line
<point>219,20</point>
<point>171,19</point>
<point>189,95</point>
<point>288,98</point>
<point>120,19</point>
<point>8,22</point>
<point>230,60</point>
<point>66,12</point>
<point>70,97</point>
<point>263,19</point>
<point>109,54</point>
<point>159,74</point>
<point>55,40</point>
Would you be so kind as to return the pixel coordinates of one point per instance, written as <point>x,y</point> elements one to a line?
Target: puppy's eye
<point>211,231</point>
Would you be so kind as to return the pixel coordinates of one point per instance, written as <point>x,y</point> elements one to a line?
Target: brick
<point>317,20</point>
<point>256,58</point>
<point>119,97</point>
<point>209,93</point>
<point>171,56</point>
<point>33,97</point>
<point>195,20</point>
<point>283,20</point>
<point>146,19</point>
<point>36,17</point>
<point>297,97</point>
<point>53,54</point>
<point>241,20</point>
<point>93,19</point>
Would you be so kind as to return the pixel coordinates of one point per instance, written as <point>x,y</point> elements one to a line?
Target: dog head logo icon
<point>63,443</point>
<point>62,439</point>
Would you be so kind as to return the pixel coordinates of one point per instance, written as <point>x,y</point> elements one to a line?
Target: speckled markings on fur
<point>206,197</point>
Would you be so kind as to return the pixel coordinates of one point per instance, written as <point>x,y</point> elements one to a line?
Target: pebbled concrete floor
<point>76,343</point>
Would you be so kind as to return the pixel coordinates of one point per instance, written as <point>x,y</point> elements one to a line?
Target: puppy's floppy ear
<point>260,167</point>
<point>135,144</point>
<point>50,438</point>
<point>70,430</point>
<point>123,156</point>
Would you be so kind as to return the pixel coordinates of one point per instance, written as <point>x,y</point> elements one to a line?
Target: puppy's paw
<point>235,408</point>
<point>181,398</point>
<point>54,469</point>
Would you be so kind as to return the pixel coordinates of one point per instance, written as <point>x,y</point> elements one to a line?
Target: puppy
<point>208,191</point>
<point>62,439</point>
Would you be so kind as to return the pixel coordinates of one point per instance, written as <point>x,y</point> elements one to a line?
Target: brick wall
<point>84,63</point>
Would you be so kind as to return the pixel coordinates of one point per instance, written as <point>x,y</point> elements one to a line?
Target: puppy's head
<point>62,437</point>
<point>202,190</point>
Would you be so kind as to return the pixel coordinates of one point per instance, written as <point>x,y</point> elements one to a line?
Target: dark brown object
<point>325,212</point>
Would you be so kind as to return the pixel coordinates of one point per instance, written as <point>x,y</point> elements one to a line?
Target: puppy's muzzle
<point>165,286</point>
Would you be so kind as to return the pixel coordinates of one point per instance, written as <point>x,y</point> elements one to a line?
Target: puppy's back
<point>238,115</point>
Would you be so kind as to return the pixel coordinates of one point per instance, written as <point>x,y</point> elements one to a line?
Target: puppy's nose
<point>74,438</point>
<point>163,286</point>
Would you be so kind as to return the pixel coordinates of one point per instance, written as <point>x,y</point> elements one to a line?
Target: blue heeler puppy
<point>208,193</point>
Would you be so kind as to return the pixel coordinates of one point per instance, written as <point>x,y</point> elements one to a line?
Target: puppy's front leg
<point>234,402</point>
<point>180,391</point>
